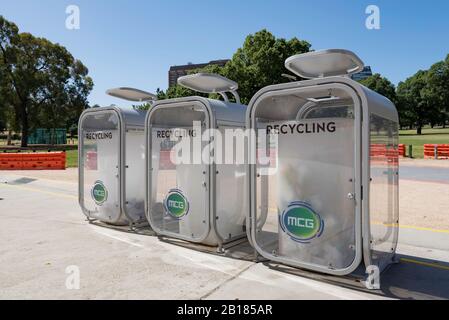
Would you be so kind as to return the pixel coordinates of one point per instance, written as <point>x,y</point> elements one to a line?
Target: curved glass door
<point>179,185</point>
<point>306,182</point>
<point>100,155</point>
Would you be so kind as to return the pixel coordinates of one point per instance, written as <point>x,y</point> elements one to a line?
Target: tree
<point>8,118</point>
<point>382,86</point>
<point>414,101</point>
<point>44,84</point>
<point>177,91</point>
<point>3,124</point>
<point>437,91</point>
<point>7,121</point>
<point>258,63</point>
<point>424,97</point>
<point>406,116</point>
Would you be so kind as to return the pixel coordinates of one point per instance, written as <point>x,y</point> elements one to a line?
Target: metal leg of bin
<point>220,249</point>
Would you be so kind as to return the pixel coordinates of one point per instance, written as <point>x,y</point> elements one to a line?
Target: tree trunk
<point>24,123</point>
<point>9,138</point>
<point>419,129</point>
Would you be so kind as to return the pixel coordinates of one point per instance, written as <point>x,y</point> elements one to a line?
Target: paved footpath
<point>42,232</point>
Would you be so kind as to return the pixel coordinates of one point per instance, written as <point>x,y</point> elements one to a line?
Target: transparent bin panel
<point>305,184</point>
<point>135,168</point>
<point>179,204</point>
<point>100,164</point>
<point>384,213</point>
<point>231,194</point>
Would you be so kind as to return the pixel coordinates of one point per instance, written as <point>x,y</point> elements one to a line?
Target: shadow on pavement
<point>416,278</point>
<point>411,279</point>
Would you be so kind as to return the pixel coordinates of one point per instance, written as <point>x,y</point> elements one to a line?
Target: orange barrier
<point>10,161</point>
<point>33,161</point>
<point>378,149</point>
<point>91,160</point>
<point>380,153</point>
<point>401,150</point>
<point>442,151</point>
<point>165,162</point>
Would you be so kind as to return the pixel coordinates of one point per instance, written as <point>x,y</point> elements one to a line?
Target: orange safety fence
<point>382,152</point>
<point>378,149</point>
<point>165,162</point>
<point>401,148</point>
<point>91,160</point>
<point>33,161</point>
<point>438,151</point>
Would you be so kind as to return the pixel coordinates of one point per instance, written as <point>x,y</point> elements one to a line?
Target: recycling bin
<point>112,161</point>
<point>193,199</point>
<point>332,204</point>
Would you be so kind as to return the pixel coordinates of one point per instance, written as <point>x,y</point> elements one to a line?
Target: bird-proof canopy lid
<point>131,94</point>
<point>208,83</point>
<point>324,63</point>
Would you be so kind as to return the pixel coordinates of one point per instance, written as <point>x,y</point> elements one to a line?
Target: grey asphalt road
<point>432,174</point>
<point>43,235</point>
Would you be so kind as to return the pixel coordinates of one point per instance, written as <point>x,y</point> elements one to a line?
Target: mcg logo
<point>301,222</point>
<point>99,193</point>
<point>176,204</point>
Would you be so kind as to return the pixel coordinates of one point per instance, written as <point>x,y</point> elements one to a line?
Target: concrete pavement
<point>43,232</point>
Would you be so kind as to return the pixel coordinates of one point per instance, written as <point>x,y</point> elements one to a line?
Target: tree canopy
<point>258,63</point>
<point>412,100</point>
<point>382,86</point>
<point>424,97</point>
<point>41,83</point>
<point>421,99</point>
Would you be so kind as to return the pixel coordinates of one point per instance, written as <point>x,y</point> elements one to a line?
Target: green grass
<point>72,158</point>
<point>407,137</point>
<point>432,136</point>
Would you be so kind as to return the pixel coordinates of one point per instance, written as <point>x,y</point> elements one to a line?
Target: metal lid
<point>324,63</point>
<point>131,94</point>
<point>208,83</point>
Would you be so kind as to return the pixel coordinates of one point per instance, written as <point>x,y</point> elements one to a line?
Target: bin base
<point>355,281</point>
<point>237,249</point>
<point>142,228</point>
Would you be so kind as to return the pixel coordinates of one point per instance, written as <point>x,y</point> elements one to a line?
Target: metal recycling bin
<point>194,200</point>
<point>331,195</point>
<point>112,161</point>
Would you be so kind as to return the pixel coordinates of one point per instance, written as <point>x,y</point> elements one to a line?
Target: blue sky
<point>133,43</point>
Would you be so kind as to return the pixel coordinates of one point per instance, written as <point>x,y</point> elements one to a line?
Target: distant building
<point>365,73</point>
<point>178,71</point>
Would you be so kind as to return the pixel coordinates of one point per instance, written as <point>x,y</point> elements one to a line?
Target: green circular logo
<point>301,222</point>
<point>99,193</point>
<point>176,204</point>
